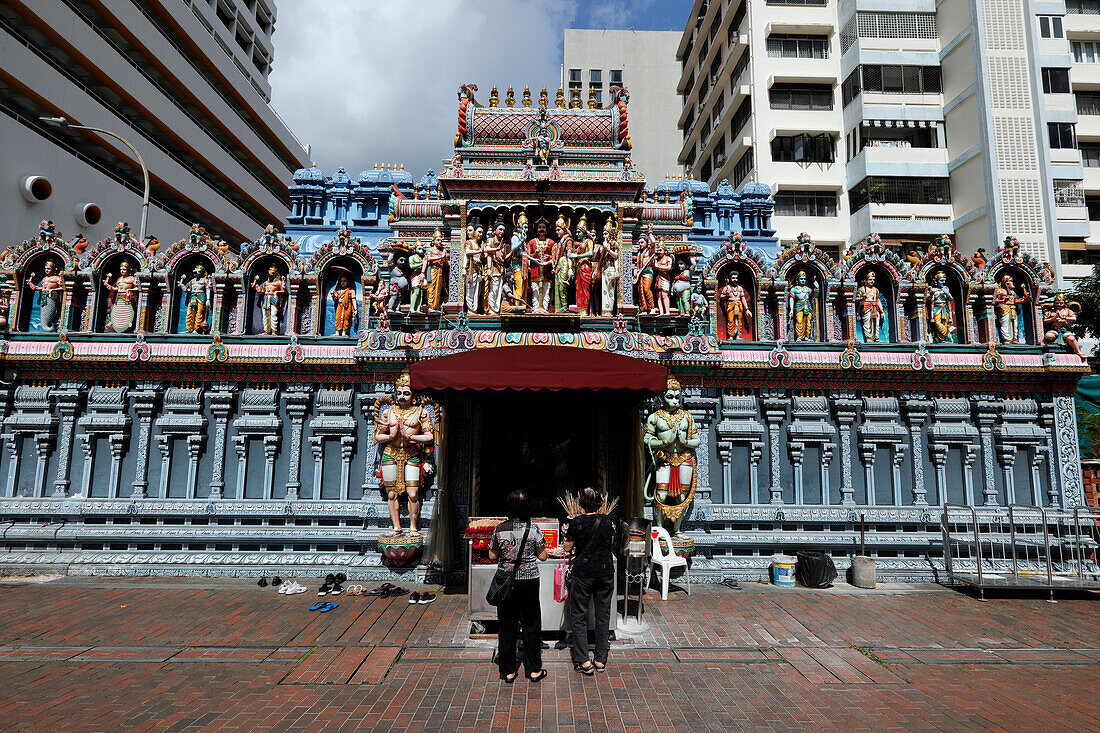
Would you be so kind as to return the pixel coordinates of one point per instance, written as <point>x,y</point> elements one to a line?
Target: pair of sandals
<point>387,590</point>
<point>324,606</point>
<point>334,585</point>
<point>590,668</point>
<point>356,590</point>
<point>536,677</point>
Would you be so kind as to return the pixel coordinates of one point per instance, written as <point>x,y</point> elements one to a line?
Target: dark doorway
<point>542,442</point>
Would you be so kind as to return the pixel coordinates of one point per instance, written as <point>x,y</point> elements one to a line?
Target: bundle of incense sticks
<point>572,504</point>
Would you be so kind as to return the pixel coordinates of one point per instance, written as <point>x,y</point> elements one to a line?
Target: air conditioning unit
<point>719,160</point>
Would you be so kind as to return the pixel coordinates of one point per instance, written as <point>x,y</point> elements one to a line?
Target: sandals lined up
<point>333,585</point>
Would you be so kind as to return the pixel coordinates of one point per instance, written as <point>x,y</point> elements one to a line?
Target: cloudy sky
<point>375,81</point>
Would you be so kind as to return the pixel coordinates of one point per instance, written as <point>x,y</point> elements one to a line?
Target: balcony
<point>1091,184</point>
<point>920,219</point>
<point>1088,127</point>
<point>1078,25</point>
<point>897,161</point>
<point>1084,76</point>
<point>1060,102</point>
<point>812,176</point>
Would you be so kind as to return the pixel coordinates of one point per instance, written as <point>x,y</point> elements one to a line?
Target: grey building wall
<point>650,72</point>
<point>151,72</point>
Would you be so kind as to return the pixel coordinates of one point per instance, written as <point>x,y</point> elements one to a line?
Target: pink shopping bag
<point>561,577</point>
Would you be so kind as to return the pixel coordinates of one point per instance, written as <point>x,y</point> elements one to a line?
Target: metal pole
<point>61,121</point>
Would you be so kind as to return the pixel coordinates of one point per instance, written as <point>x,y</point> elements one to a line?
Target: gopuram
<point>532,317</point>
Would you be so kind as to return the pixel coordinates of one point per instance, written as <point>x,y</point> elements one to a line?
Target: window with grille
<point>1088,103</point>
<point>1083,7</point>
<point>1062,135</point>
<point>1056,81</point>
<point>1050,26</point>
<point>890,79</point>
<point>1068,193</point>
<point>801,96</point>
<point>739,68</point>
<point>899,190</point>
<point>1090,155</point>
<point>1086,52</point>
<point>804,148</point>
<point>595,76</point>
<point>888,25</point>
<point>616,76</point>
<point>793,46</point>
<point>742,169</point>
<point>806,203</point>
<point>1092,203</point>
<point>574,76</point>
<point>740,117</point>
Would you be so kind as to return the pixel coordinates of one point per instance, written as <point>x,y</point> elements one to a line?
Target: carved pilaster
<point>11,441</point>
<point>194,450</point>
<point>1046,419</point>
<point>986,411</point>
<point>145,401</point>
<point>221,404</point>
<point>867,457</point>
<point>68,396</point>
<point>1006,457</point>
<point>297,403</point>
<point>797,451</point>
<point>970,455</point>
<point>915,410</point>
<point>118,443</point>
<point>240,444</point>
<point>87,445</point>
<point>938,453</point>
<point>165,445</point>
<point>347,449</point>
<point>846,409</point>
<point>775,411</point>
<point>317,448</point>
<point>271,449</point>
<point>42,444</point>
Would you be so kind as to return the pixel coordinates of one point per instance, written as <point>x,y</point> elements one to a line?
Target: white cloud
<point>376,82</point>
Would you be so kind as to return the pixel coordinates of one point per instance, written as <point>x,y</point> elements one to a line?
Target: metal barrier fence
<point>1021,547</point>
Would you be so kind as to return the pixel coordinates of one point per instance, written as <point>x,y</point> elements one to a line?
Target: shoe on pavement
<point>414,599</point>
<point>426,598</point>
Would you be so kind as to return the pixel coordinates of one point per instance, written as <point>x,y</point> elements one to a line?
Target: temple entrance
<point>545,443</point>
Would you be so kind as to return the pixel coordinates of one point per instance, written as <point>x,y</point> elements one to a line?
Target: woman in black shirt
<point>591,539</point>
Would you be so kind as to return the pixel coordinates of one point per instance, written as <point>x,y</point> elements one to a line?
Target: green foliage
<point>1087,293</point>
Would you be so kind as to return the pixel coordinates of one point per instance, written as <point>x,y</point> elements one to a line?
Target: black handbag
<point>500,589</point>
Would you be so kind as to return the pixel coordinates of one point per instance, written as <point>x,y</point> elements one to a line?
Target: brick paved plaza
<point>195,654</point>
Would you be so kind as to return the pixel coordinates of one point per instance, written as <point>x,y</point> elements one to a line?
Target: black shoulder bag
<point>500,590</point>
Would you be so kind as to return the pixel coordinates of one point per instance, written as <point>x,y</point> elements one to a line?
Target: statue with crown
<point>404,430</point>
<point>671,438</point>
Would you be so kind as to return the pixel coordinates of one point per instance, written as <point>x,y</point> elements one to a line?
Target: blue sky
<point>375,82</point>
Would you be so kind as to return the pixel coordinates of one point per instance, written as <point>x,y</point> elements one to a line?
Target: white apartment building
<point>1081,25</point>
<point>184,82</point>
<point>909,118</point>
<point>644,62</point>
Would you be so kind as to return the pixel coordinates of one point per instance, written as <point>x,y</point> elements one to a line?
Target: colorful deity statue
<point>700,306</point>
<point>563,266</point>
<point>681,288</point>
<point>418,283</point>
<point>584,247</point>
<point>435,265</point>
<point>662,266</point>
<point>516,252</point>
<point>941,311</point>
<point>509,301</point>
<point>540,256</point>
<point>51,296</point>
<point>607,266</point>
<point>123,298</point>
<point>736,304</point>
<point>671,438</point>
<point>1006,309</point>
<point>404,430</point>
<point>271,292</point>
<point>1058,319</point>
<point>346,305</point>
<point>475,267</point>
<point>398,282</point>
<point>495,254</point>
<point>645,273</point>
<point>802,309</point>
<point>871,311</point>
<point>198,289</point>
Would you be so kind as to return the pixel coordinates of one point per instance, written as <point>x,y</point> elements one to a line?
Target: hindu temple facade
<point>202,408</point>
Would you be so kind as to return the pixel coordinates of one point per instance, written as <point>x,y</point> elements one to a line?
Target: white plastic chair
<point>667,560</point>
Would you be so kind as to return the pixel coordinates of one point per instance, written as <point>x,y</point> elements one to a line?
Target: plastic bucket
<point>783,570</point>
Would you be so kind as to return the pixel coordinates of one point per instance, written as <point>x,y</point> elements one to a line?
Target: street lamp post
<point>62,122</point>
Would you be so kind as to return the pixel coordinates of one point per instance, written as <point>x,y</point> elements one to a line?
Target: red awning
<point>537,367</point>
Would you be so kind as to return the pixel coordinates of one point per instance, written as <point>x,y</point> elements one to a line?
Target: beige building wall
<point>650,71</point>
